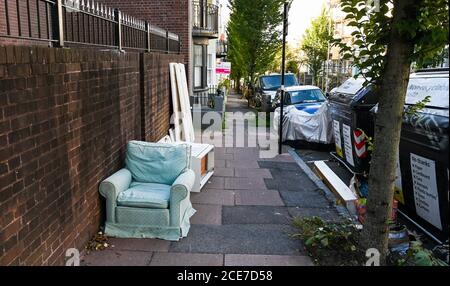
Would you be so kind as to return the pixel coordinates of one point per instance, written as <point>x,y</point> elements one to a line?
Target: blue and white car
<point>306,116</point>
<point>307,98</point>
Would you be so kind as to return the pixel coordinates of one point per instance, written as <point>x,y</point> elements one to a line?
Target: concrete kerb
<point>320,185</point>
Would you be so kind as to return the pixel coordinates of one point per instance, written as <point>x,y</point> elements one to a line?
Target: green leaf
<point>422,258</point>
<point>348,9</point>
<point>310,241</point>
<point>347,56</point>
<point>364,53</point>
<point>325,242</point>
<point>358,42</point>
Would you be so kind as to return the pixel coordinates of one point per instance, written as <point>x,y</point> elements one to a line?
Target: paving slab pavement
<point>255,215</point>
<point>239,239</point>
<point>187,259</point>
<point>207,214</point>
<point>111,257</point>
<point>258,198</point>
<point>266,260</point>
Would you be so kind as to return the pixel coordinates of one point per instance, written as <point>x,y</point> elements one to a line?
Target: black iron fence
<point>82,22</point>
<point>205,16</point>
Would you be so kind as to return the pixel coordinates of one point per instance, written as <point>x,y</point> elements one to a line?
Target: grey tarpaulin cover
<point>300,125</point>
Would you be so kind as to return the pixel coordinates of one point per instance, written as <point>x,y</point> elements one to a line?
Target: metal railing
<point>205,16</point>
<point>82,23</point>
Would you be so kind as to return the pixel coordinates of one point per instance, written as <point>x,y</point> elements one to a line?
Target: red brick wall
<point>156,88</point>
<point>65,118</point>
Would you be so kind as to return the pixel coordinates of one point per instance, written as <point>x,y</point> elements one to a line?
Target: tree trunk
<point>237,84</point>
<point>387,131</point>
<point>314,77</point>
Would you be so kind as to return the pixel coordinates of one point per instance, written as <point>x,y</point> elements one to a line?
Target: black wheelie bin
<point>350,106</point>
<point>422,188</point>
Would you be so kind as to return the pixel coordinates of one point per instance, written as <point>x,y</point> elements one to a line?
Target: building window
<point>198,66</point>
<point>210,69</point>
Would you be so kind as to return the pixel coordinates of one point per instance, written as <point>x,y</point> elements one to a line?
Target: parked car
<point>266,88</point>
<point>306,98</point>
<point>306,115</point>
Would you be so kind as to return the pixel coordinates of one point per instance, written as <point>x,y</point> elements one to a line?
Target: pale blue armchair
<point>150,197</point>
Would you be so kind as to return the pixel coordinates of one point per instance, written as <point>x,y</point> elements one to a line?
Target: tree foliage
<point>254,35</point>
<point>292,60</point>
<point>315,43</point>
<point>429,33</point>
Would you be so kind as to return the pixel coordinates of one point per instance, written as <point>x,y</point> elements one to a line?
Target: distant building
<point>340,27</point>
<point>336,69</point>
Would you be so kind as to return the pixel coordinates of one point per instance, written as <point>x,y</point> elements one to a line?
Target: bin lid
<point>353,92</point>
<point>351,86</point>
<point>433,84</point>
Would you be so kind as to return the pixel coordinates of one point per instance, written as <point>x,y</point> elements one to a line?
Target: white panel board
<point>175,103</point>
<point>187,102</point>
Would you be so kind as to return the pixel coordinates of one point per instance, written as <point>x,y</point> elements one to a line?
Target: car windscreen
<point>308,95</point>
<point>274,82</point>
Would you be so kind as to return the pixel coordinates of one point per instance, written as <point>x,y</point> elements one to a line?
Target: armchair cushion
<point>145,195</point>
<point>160,163</point>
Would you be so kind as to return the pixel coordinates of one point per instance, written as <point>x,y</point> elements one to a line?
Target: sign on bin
<point>337,137</point>
<point>348,145</point>
<point>426,196</point>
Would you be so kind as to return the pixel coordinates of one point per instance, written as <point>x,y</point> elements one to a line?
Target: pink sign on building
<point>223,68</point>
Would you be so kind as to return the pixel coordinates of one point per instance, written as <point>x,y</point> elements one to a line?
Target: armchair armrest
<point>110,189</point>
<point>185,180</point>
<point>180,197</point>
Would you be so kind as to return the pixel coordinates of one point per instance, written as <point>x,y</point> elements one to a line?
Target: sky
<point>300,16</point>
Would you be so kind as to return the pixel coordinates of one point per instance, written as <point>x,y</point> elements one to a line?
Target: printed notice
<point>337,137</point>
<point>348,145</point>
<point>426,197</point>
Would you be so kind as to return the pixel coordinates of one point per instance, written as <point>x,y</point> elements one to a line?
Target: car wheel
<point>257,103</point>
<point>263,106</point>
<point>266,107</point>
<point>251,102</point>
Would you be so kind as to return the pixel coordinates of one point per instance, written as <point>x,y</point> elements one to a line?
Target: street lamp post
<point>283,65</point>
<point>327,83</point>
